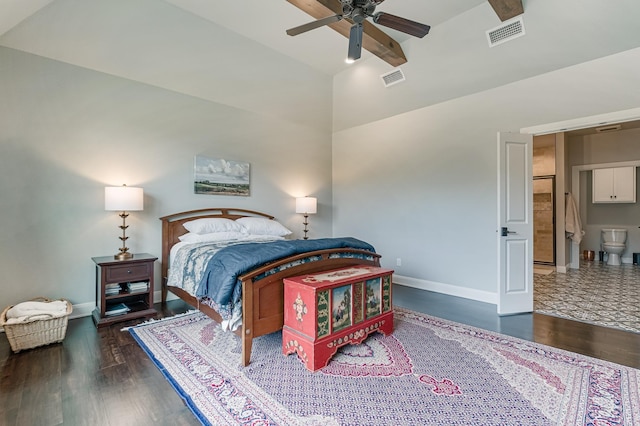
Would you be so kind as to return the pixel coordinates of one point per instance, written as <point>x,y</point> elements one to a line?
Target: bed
<point>262,306</point>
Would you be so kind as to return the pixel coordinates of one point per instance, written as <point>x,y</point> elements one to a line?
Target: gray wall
<point>67,131</point>
<point>422,185</point>
<point>411,168</point>
<point>601,148</point>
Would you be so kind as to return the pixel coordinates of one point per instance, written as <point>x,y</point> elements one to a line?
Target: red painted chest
<point>329,309</point>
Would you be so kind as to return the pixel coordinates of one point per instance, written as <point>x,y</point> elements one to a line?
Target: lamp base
<point>305,223</point>
<point>123,256</point>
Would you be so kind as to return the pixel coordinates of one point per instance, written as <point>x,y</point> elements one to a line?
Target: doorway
<point>544,224</point>
<point>565,249</point>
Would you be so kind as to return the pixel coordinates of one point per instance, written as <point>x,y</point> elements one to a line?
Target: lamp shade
<point>123,198</point>
<point>308,205</point>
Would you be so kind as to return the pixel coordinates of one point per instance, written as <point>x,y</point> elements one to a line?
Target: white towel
<point>572,223</point>
<point>28,311</point>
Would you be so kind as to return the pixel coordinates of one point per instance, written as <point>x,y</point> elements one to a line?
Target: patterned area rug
<point>429,372</point>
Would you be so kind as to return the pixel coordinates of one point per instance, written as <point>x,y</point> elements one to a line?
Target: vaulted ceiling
<point>323,48</point>
<point>374,39</point>
<point>266,22</point>
<point>196,46</point>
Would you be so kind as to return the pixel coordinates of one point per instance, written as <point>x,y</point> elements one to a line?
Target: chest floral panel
<point>326,310</point>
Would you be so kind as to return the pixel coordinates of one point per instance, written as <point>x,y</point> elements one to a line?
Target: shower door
<point>544,246</point>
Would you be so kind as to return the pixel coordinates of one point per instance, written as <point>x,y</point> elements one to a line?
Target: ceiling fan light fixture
<point>355,42</point>
<point>351,60</point>
<point>352,57</point>
<point>357,12</point>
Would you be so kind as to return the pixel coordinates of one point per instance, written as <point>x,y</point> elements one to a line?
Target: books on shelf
<point>138,286</point>
<point>111,289</point>
<point>134,287</point>
<point>118,309</point>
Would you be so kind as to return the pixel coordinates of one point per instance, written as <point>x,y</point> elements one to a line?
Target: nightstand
<point>124,288</point>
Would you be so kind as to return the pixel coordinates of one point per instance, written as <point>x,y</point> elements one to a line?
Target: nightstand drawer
<point>117,274</point>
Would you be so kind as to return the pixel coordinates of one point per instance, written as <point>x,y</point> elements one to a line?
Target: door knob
<point>505,231</point>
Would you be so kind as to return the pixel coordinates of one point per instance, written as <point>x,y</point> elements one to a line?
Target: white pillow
<point>263,226</point>
<point>211,225</point>
<point>261,238</point>
<point>191,237</point>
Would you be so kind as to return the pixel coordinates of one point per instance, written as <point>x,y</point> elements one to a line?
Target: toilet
<point>614,244</point>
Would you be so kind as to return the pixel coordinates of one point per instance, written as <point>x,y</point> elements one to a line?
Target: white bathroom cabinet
<point>614,185</point>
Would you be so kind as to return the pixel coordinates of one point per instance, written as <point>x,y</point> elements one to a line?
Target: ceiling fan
<point>356,12</point>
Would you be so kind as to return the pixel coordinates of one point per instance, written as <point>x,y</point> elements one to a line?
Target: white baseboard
<point>157,296</point>
<point>623,260</point>
<point>451,290</point>
<point>85,309</point>
<point>82,310</point>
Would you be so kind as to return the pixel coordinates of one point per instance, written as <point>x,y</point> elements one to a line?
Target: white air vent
<point>394,77</point>
<point>506,32</point>
<point>611,128</point>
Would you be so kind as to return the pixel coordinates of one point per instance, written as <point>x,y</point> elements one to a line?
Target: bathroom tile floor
<point>596,293</point>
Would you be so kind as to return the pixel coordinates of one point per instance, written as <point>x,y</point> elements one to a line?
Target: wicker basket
<point>37,332</point>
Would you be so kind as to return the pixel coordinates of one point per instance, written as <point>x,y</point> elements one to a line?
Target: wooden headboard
<point>172,227</point>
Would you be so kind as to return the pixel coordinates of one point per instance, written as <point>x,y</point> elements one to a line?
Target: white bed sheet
<point>178,259</point>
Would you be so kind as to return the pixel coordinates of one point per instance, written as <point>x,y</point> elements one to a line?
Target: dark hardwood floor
<point>102,377</point>
<point>95,377</point>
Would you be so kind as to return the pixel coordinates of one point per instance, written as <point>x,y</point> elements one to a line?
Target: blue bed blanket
<point>220,279</point>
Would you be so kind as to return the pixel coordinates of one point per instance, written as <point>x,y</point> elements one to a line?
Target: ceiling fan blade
<point>407,26</point>
<point>355,42</point>
<point>313,25</point>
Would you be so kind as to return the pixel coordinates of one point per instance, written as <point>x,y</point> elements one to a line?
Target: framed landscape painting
<point>217,176</point>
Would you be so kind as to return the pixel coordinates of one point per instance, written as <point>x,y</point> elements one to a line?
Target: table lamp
<point>123,199</point>
<point>307,206</point>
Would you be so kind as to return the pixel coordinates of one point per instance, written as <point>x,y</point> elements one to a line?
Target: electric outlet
<point>398,262</point>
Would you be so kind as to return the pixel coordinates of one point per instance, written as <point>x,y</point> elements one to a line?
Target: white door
<point>515,223</point>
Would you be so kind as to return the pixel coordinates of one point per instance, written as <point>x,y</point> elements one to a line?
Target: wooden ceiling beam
<point>507,9</point>
<point>374,40</point>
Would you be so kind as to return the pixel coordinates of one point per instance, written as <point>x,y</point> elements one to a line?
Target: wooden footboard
<point>263,296</point>
<point>262,288</point>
